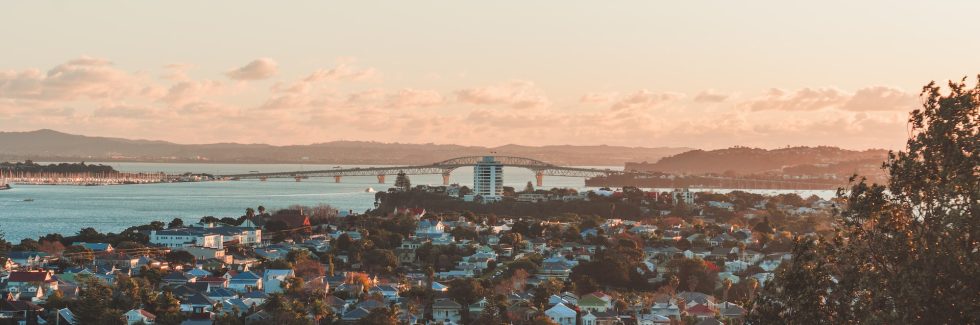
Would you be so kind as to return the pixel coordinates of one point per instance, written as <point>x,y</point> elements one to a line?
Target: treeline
<point>439,203</point>
<point>715,181</point>
<point>32,167</point>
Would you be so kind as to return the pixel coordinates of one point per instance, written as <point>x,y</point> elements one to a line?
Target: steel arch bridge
<point>443,168</point>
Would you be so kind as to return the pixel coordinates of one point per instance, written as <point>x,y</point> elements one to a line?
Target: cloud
<point>874,98</point>
<point>88,78</point>
<point>597,98</point>
<point>806,99</point>
<point>710,96</point>
<point>414,98</point>
<point>342,72</point>
<point>88,95</point>
<point>126,112</point>
<point>258,69</point>
<point>516,94</point>
<point>644,99</point>
<point>190,90</point>
<point>881,98</point>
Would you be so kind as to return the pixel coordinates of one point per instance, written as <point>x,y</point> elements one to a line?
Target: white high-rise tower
<point>488,179</point>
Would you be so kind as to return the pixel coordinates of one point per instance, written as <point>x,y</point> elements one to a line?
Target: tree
<point>176,223</point>
<point>381,260</point>
<point>4,244</point>
<point>726,286</point>
<point>402,182</point>
<point>905,252</point>
<point>542,320</point>
<point>494,312</point>
<point>466,291</point>
<point>79,254</point>
<point>380,316</point>
<point>319,310</point>
<point>179,258</point>
<point>344,242</point>
<point>94,301</point>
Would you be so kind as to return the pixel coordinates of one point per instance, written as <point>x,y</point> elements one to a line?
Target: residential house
<point>139,316</point>
<point>95,247</point>
<point>245,281</point>
<point>273,279</point>
<point>561,314</point>
<point>446,310</point>
<point>196,303</point>
<point>29,260</point>
<point>177,277</point>
<point>595,302</point>
<point>33,284</point>
<point>389,292</point>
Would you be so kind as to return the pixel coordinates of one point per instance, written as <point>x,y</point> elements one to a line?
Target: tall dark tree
<point>402,182</point>
<point>905,253</point>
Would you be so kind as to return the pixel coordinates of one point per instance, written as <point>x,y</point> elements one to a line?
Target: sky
<point>702,74</point>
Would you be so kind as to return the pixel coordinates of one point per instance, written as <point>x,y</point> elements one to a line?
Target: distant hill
<point>744,161</point>
<point>50,145</point>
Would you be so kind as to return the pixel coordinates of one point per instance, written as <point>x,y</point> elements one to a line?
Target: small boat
<point>369,190</point>
<point>4,187</point>
<point>336,167</point>
<point>28,200</point>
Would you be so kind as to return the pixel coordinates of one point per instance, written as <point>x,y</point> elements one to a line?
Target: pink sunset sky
<point>635,73</point>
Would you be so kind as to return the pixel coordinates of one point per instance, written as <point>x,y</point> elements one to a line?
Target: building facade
<point>488,179</point>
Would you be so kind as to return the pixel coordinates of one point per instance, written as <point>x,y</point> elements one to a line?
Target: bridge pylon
<point>336,179</point>
<point>381,178</point>
<point>539,177</point>
<point>445,176</point>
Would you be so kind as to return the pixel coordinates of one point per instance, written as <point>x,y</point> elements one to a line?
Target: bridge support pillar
<point>445,177</point>
<point>336,179</point>
<point>539,177</point>
<point>263,179</point>
<point>381,178</point>
<point>298,178</point>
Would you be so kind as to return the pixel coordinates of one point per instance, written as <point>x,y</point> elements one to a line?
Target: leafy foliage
<point>905,253</point>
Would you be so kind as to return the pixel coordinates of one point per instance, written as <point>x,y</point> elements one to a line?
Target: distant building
<point>683,195</point>
<point>214,237</point>
<point>488,179</point>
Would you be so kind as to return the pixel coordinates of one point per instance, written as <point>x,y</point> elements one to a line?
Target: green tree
<point>905,253</point>
<point>179,258</point>
<point>167,309</point>
<point>176,223</point>
<point>381,261</point>
<point>94,301</point>
<point>466,291</point>
<point>402,182</point>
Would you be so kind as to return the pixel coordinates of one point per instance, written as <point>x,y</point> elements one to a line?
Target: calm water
<point>66,209</point>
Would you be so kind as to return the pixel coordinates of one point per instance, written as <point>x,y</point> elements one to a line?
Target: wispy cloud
<point>259,69</point>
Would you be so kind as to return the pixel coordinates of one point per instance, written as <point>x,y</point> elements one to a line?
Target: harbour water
<point>30,211</point>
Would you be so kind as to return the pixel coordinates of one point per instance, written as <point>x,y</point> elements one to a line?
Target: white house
<point>213,237</point>
<point>273,279</point>
<point>176,238</point>
<point>561,314</point>
<point>135,316</point>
